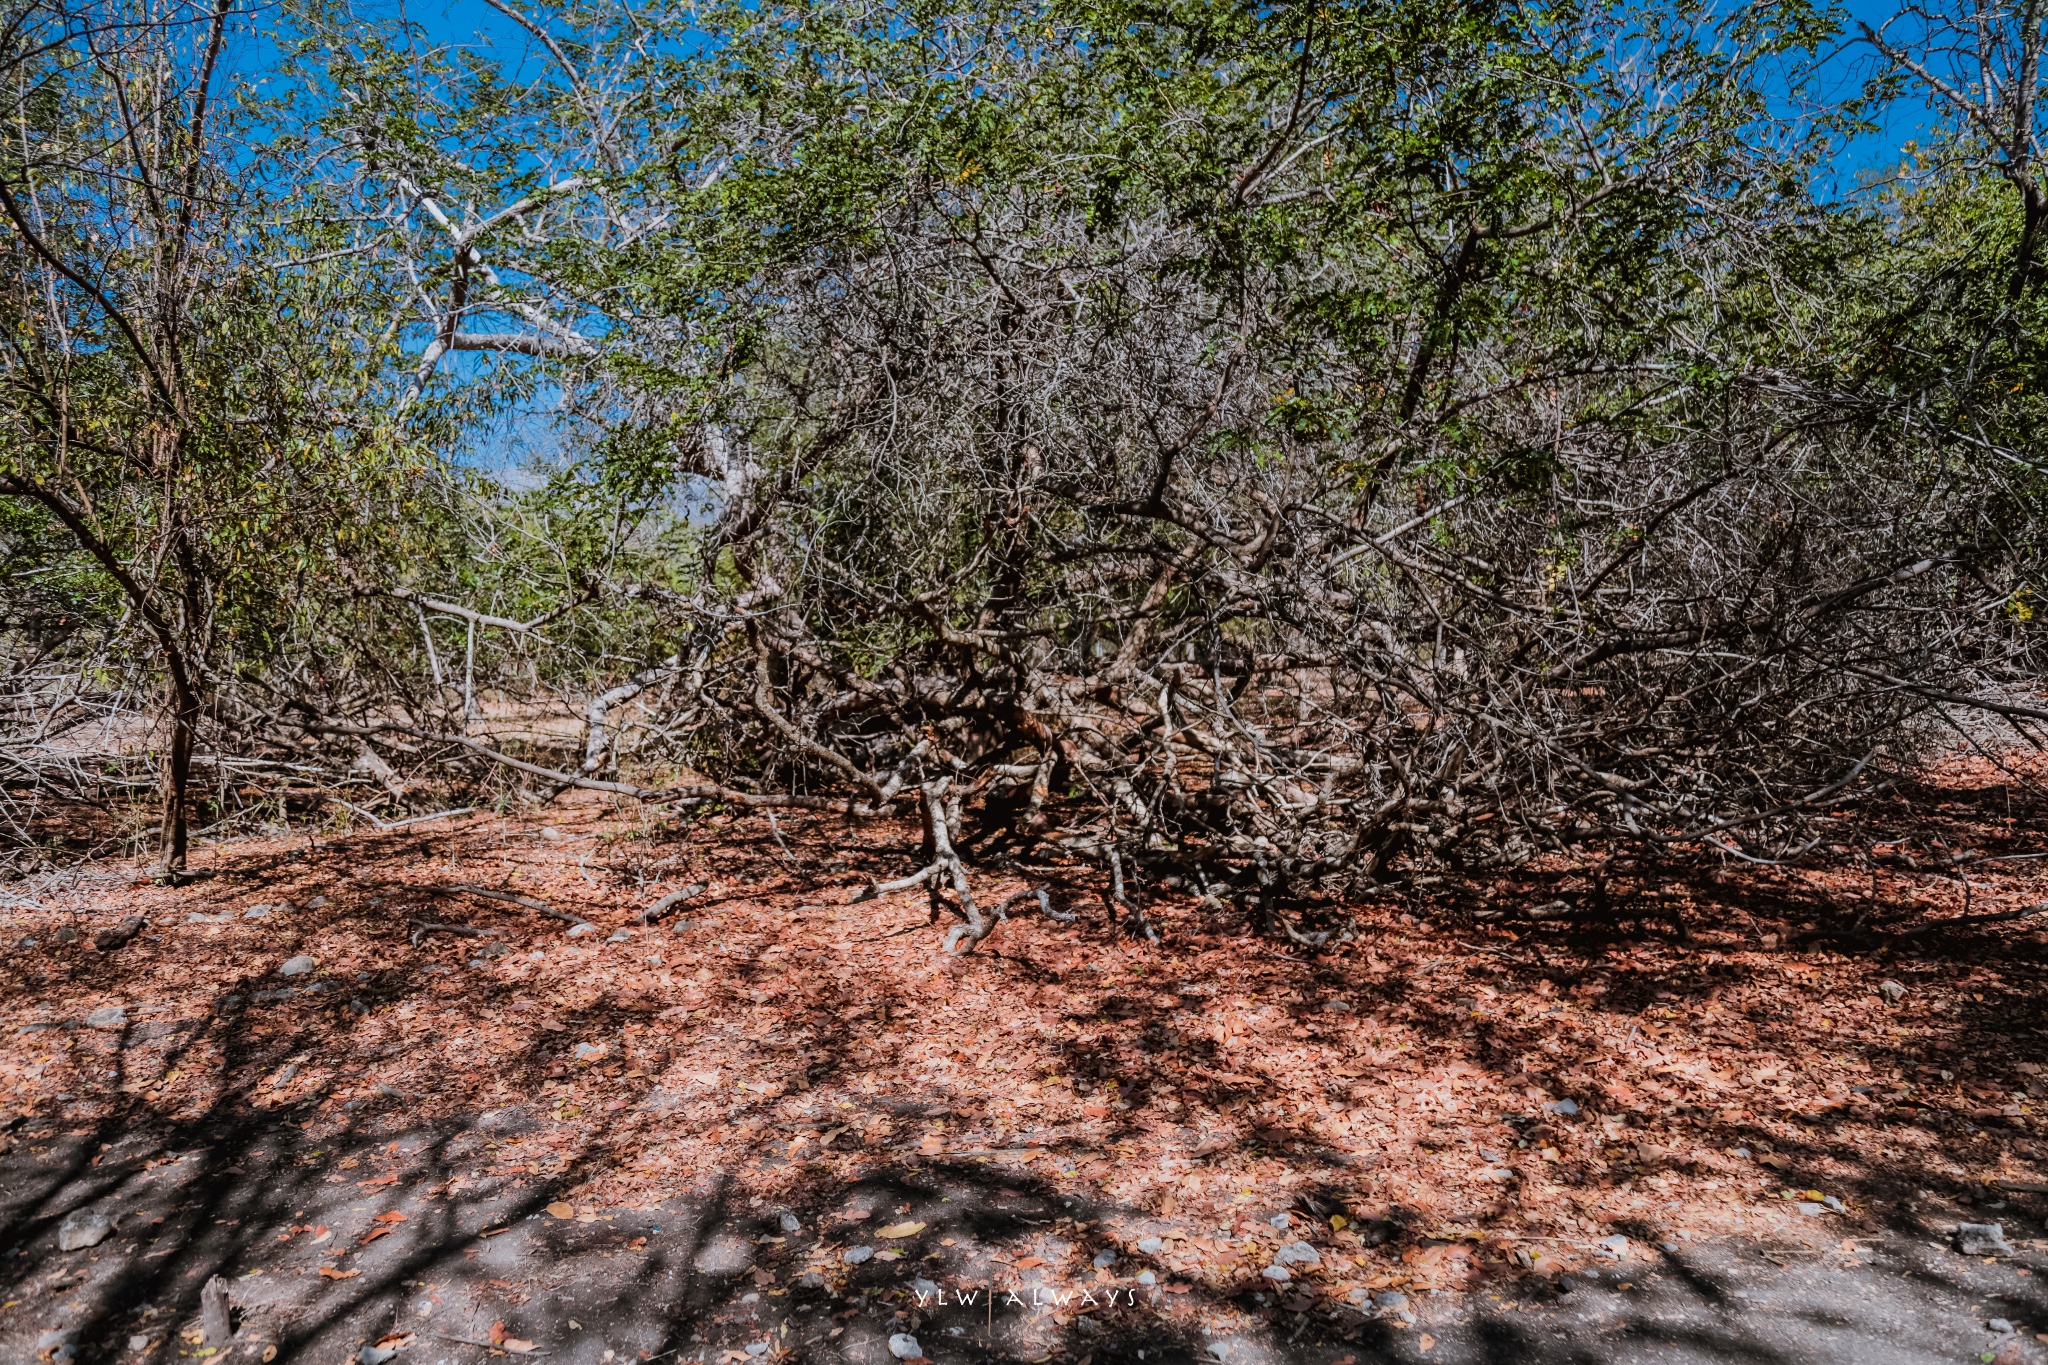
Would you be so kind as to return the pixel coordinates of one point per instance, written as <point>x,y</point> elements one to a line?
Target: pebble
<point>1220,1350</point>
<point>811,1279</point>
<point>791,1223</point>
<point>1147,1277</point>
<point>586,1051</point>
<point>1811,1209</point>
<point>1298,1253</point>
<point>138,1343</point>
<point>317,903</point>
<point>297,966</point>
<point>1277,1273</point>
<point>904,1346</point>
<point>1892,991</point>
<point>1104,1259</point>
<point>61,1336</point>
<point>620,936</point>
<point>579,930</point>
<point>1999,1325</point>
<point>1151,1246</point>
<point>924,1288</point>
<point>1982,1239</point>
<point>757,1348</point>
<point>1834,1205</point>
<point>1393,1298</point>
<point>1565,1107</point>
<point>259,912</point>
<point>1279,1220</point>
<point>83,1228</point>
<point>856,1255</point>
<point>112,1016</point>
<point>376,1355</point>
<point>1615,1246</point>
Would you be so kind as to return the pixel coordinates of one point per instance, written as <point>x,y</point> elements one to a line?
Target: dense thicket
<point>1267,447</point>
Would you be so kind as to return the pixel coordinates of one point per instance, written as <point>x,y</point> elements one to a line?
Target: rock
<point>1615,1246</point>
<point>757,1349</point>
<point>811,1279</point>
<point>1999,1325</point>
<point>111,1016</point>
<point>297,966</point>
<point>1147,1277</point>
<point>1811,1209</point>
<point>61,1336</point>
<point>1279,1274</point>
<point>1982,1239</point>
<point>83,1228</point>
<point>1565,1107</point>
<point>858,1255</point>
<point>1220,1350</point>
<point>1104,1259</point>
<point>904,1347</point>
<point>138,1342</point>
<point>620,936</point>
<point>581,930</point>
<point>120,936</point>
<point>1390,1300</point>
<point>1279,1220</point>
<point>1298,1253</point>
<point>317,903</point>
<point>1833,1204</point>
<point>376,1355</point>
<point>64,934</point>
<point>1151,1246</point>
<point>791,1223</point>
<point>588,1052</point>
<point>923,1288</point>
<point>1892,991</point>
<point>259,912</point>
<point>491,950</point>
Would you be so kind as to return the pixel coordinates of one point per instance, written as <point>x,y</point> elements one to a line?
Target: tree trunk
<point>177,777</point>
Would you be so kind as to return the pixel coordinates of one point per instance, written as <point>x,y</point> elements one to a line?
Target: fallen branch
<point>424,927</point>
<point>671,901</point>
<point>510,898</point>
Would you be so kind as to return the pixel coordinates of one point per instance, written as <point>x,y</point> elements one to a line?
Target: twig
<point>424,927</point>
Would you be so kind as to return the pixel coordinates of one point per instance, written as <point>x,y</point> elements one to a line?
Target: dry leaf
<point>328,1272</point>
<point>560,1210</point>
<point>393,1216</point>
<point>1426,1341</point>
<point>515,1344</point>
<point>900,1230</point>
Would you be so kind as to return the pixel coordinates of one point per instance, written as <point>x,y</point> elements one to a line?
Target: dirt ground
<point>1741,1121</point>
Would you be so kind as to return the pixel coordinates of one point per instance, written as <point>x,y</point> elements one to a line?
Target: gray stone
<point>1811,1209</point>
<point>1277,1273</point>
<point>587,1052</point>
<point>1279,1220</point>
<point>376,1355</point>
<point>1565,1107</point>
<point>581,930</point>
<point>317,903</point>
<point>1392,1299</point>
<point>112,1016</point>
<point>811,1279</point>
<point>1147,1277</point>
<point>1999,1325</point>
<point>259,912</point>
<point>757,1349</point>
<point>904,1347</point>
<point>1615,1246</point>
<point>61,1336</point>
<point>1298,1253</point>
<point>1892,991</point>
<point>1834,1205</point>
<point>83,1228</point>
<point>924,1288</point>
<point>297,966</point>
<point>138,1342</point>
<point>1104,1259</point>
<point>1220,1350</point>
<point>620,936</point>
<point>791,1223</point>
<point>1982,1239</point>
<point>857,1255</point>
<point>1151,1246</point>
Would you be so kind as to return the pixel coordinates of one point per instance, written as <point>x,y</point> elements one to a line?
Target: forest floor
<point>782,1124</point>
